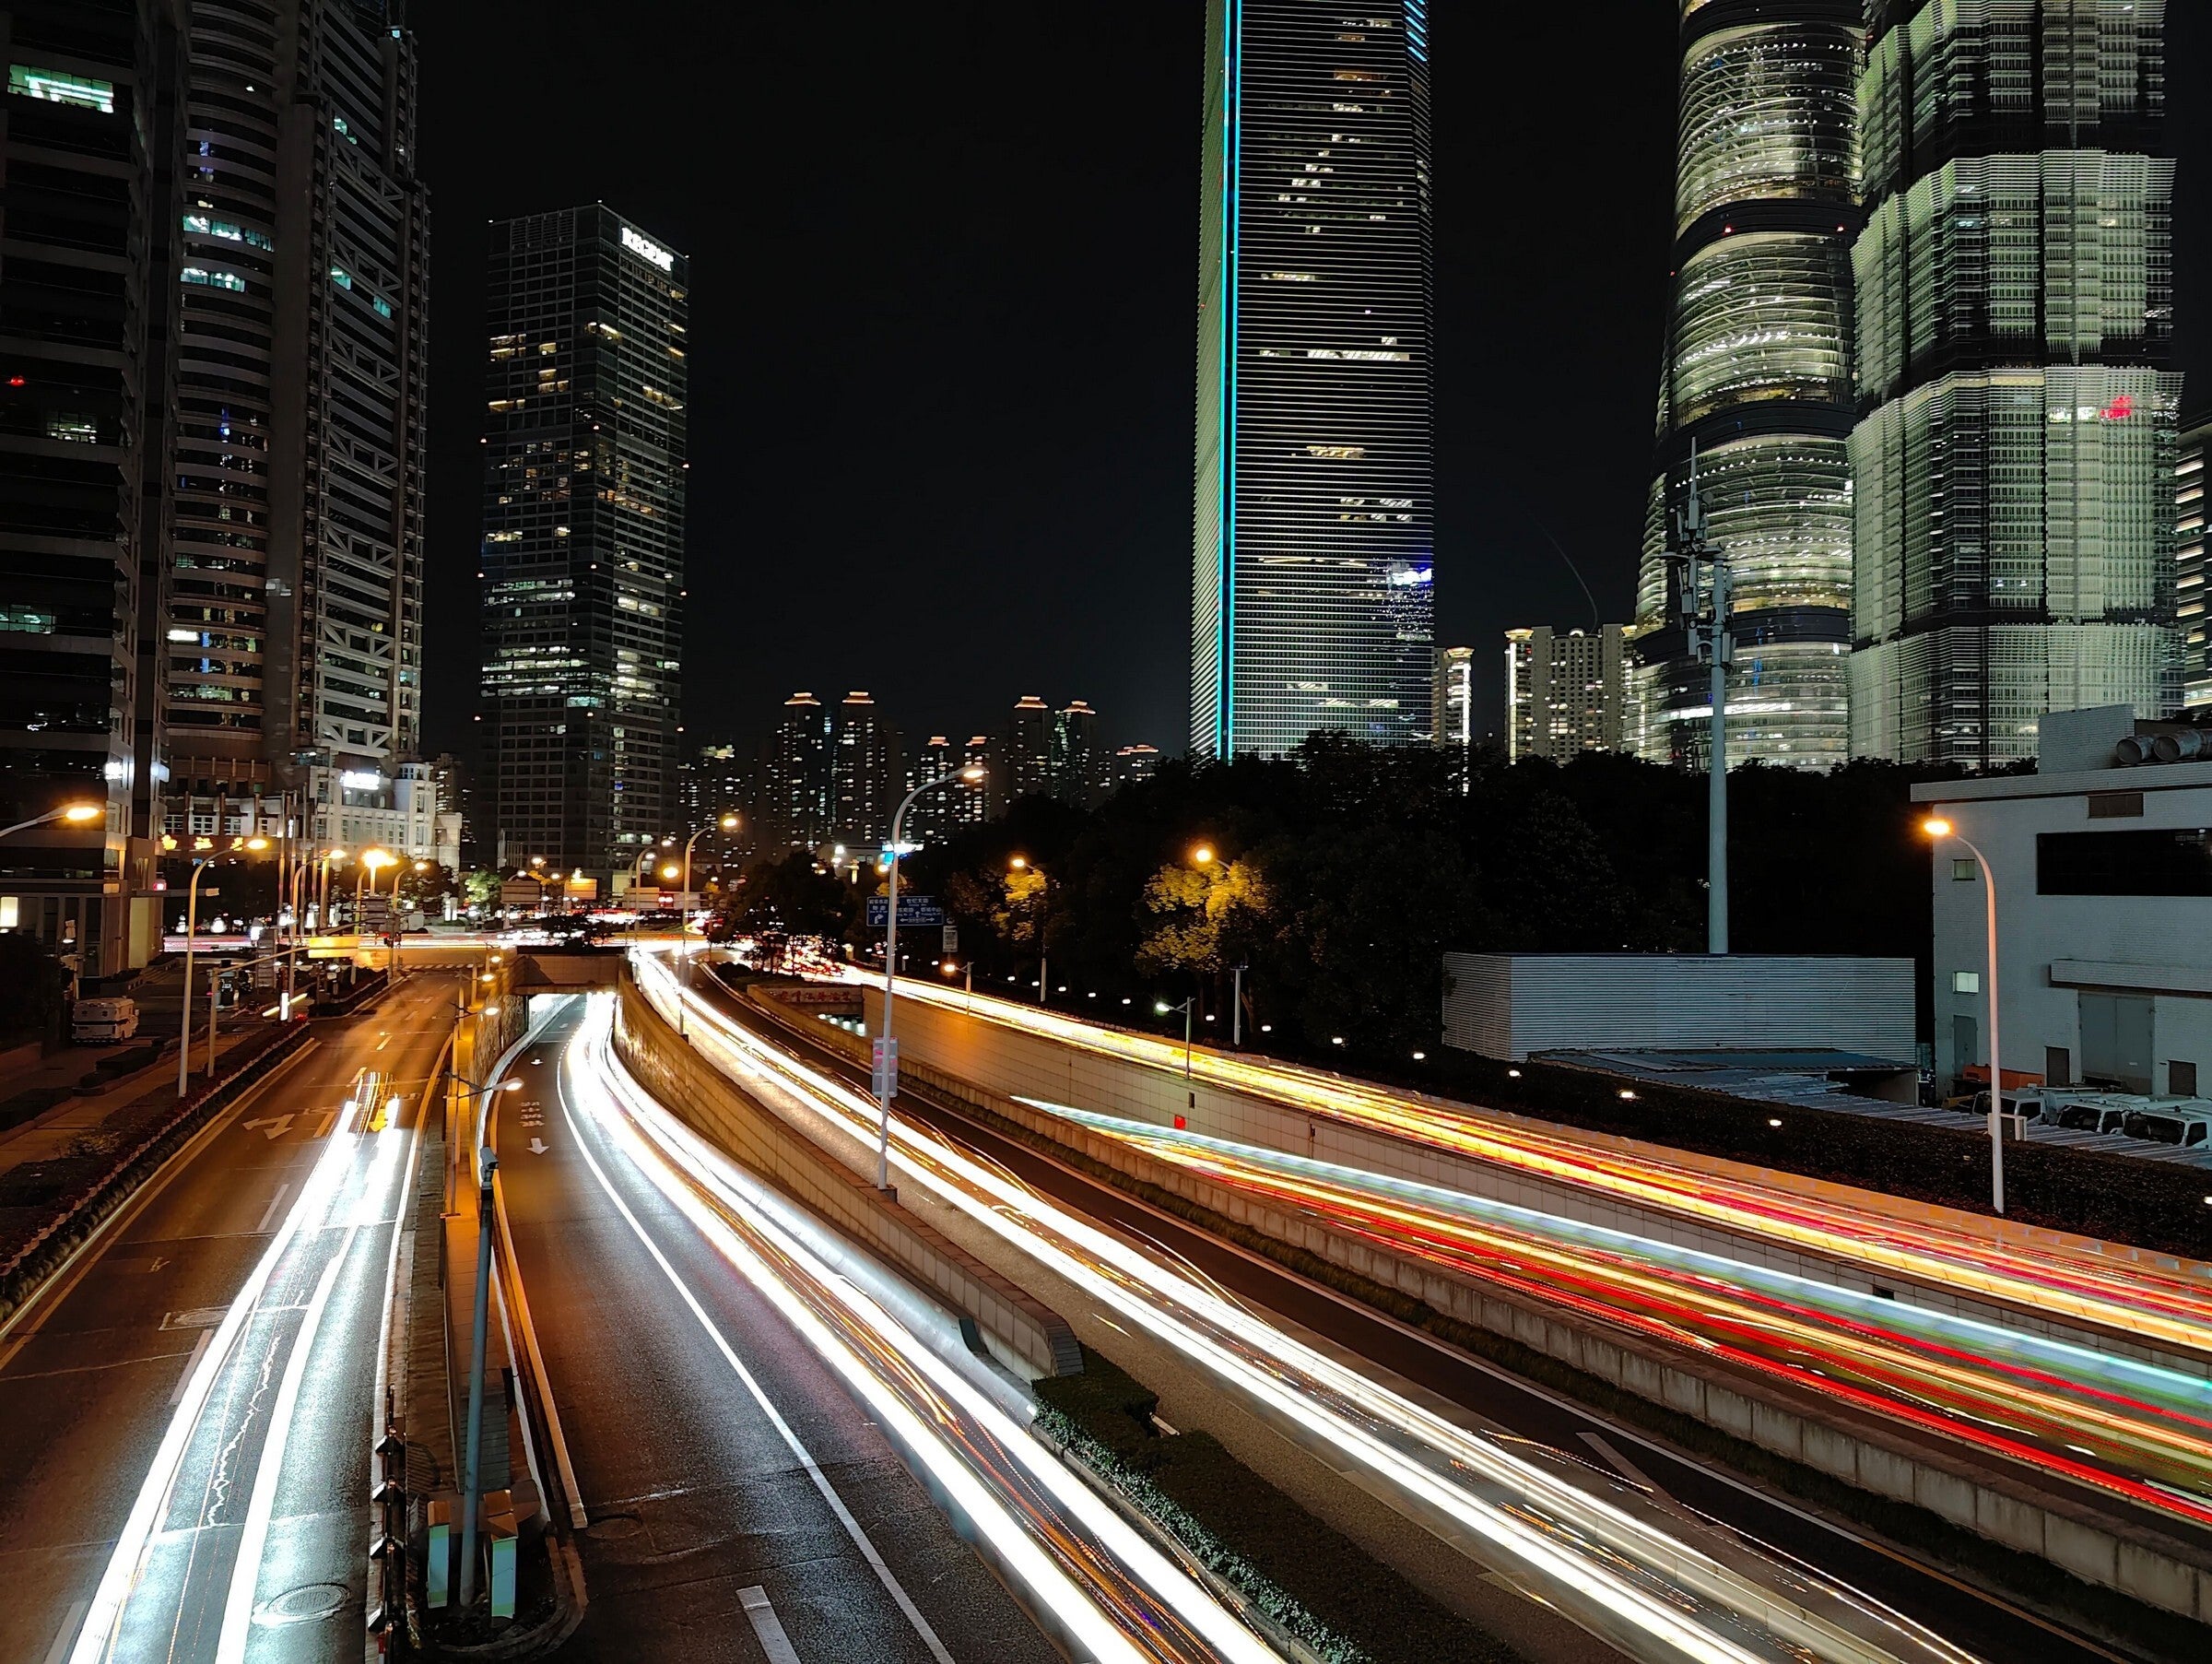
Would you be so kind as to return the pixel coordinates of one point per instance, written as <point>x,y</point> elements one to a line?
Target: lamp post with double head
<point>887,1064</point>
<point>200,862</point>
<point>1937,828</point>
<point>727,824</point>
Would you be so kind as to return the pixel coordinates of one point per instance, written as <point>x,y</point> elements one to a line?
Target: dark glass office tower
<point>583,536</point>
<point>1757,382</point>
<point>2014,465</point>
<point>88,143</point>
<point>1312,562</point>
<point>292,652</point>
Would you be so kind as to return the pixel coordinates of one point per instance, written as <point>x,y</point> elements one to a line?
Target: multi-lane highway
<point>1650,1578</point>
<point>2156,1303</point>
<point>739,1393</point>
<point>189,1406</point>
<point>2127,1429</point>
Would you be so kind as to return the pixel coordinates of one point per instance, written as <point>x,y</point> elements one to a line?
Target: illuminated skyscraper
<point>1028,760</point>
<point>2192,566</point>
<point>2014,467</point>
<point>1758,381</point>
<point>864,793</point>
<point>583,535</point>
<point>1311,600</point>
<point>1563,692</point>
<point>292,650</point>
<point>796,777</point>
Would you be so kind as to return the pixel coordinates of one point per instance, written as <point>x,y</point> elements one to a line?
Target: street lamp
<point>728,822</point>
<point>76,814</point>
<point>1186,1008</point>
<point>472,1472</point>
<point>1202,855</point>
<point>887,1060</point>
<point>192,929</point>
<point>1937,828</point>
<point>1021,864</point>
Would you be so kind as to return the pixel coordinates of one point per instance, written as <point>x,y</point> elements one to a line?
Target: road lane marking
<point>269,1218</point>
<point>330,1119</point>
<point>768,1627</point>
<point>791,1439</point>
<point>277,1125</point>
<point>60,1649</point>
<point>1598,1441</point>
<point>245,1565</point>
<point>198,1317</point>
<point>176,1393</point>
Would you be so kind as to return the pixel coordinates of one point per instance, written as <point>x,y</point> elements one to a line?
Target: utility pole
<point>1702,589</point>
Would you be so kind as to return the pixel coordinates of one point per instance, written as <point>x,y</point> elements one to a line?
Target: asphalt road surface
<point>221,1337</point>
<point>709,1538</point>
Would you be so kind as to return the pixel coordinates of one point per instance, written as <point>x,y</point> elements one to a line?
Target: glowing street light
<point>887,1048</point>
<point>1938,829</point>
<point>76,814</point>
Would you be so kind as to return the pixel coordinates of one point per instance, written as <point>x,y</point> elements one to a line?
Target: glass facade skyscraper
<point>1311,564</point>
<point>1757,382</point>
<point>2015,463</point>
<point>2192,565</point>
<point>583,536</point>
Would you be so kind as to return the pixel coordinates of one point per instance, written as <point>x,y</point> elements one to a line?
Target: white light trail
<point>680,1166</point>
<point>1670,1601</point>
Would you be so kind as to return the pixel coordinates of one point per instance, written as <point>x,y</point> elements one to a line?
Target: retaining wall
<point>2156,1570</point>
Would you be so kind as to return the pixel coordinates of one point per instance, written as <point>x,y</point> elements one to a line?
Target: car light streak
<point>1974,1381</point>
<point>1646,1589</point>
<point>1115,1593</point>
<point>2173,1308</point>
<point>225,1418</point>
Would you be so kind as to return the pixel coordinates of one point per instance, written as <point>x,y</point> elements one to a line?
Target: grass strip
<point>1347,1607</point>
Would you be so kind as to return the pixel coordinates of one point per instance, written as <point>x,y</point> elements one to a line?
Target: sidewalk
<point>53,1132</point>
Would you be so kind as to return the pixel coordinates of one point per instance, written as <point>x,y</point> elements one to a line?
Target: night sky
<point>944,269</point>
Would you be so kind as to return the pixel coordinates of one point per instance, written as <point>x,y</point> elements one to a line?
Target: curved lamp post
<point>1938,829</point>
<point>885,1068</point>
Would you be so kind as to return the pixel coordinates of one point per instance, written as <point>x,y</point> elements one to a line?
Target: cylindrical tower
<point>1757,380</point>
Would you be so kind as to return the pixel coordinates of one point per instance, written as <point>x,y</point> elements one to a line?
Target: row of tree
<point>1336,879</point>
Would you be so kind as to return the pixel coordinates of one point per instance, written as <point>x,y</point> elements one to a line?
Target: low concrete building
<point>1510,1005</point>
<point>2102,865</point>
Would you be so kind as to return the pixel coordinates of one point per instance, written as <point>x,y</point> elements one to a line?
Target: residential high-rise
<point>863,774</point>
<point>2013,465</point>
<point>2192,565</point>
<point>1076,754</point>
<point>1564,691</point>
<point>89,146</point>
<point>1452,706</point>
<point>1313,468</point>
<point>1757,383</point>
<point>935,815</point>
<point>1029,758</point>
<point>971,803</point>
<point>583,535</point>
<point>713,783</point>
<point>795,777</point>
<point>292,652</point>
<point>1134,764</point>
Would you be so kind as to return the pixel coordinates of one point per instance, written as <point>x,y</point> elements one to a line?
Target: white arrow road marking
<point>538,1147</point>
<point>277,1125</point>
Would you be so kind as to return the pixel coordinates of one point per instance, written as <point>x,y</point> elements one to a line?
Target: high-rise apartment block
<point>795,777</point>
<point>291,651</point>
<point>1134,764</point>
<point>89,151</point>
<point>864,793</point>
<point>583,535</point>
<point>2192,566</point>
<point>1076,756</point>
<point>1314,467</point>
<point>2014,464</point>
<point>1452,706</point>
<point>1755,391</point>
<point>1564,691</point>
<point>1028,753</point>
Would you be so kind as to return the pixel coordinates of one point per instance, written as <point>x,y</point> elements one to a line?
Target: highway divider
<point>996,1314</point>
<point>1811,1435</point>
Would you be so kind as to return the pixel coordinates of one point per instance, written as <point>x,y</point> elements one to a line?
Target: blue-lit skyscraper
<point>1312,561</point>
